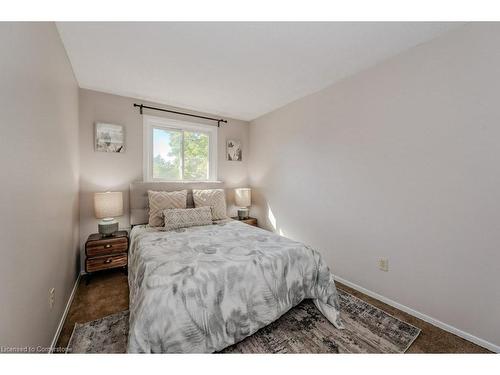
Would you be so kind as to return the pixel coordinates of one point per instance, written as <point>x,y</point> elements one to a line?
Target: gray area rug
<point>303,329</point>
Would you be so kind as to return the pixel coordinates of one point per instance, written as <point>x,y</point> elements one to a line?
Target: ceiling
<point>238,70</point>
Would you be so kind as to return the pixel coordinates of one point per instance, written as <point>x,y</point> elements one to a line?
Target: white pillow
<point>162,200</point>
<point>214,198</point>
<point>189,217</point>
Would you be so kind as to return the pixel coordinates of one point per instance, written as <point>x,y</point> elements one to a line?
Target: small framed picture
<point>233,150</point>
<point>109,137</point>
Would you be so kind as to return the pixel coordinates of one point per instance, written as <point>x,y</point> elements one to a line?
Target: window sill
<point>184,181</point>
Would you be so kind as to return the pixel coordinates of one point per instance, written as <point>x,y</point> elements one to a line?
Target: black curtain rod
<point>142,106</point>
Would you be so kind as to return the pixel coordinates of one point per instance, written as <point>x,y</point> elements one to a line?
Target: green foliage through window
<point>180,155</point>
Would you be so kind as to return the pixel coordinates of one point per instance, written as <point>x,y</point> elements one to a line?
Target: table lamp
<point>243,198</point>
<point>107,206</point>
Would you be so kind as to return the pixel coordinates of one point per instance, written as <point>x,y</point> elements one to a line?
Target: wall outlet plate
<point>52,298</point>
<point>383,264</point>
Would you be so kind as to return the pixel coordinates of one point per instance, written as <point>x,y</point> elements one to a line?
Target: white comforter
<point>201,289</point>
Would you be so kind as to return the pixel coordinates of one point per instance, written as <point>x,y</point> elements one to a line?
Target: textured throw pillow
<point>214,198</point>
<point>162,200</point>
<point>183,218</point>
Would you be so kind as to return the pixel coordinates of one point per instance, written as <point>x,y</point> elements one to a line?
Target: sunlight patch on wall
<point>271,218</point>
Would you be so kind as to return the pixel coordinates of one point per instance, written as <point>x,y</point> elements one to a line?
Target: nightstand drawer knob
<point>107,246</point>
<point>108,261</point>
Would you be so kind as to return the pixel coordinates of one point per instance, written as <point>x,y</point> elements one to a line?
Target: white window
<point>179,151</point>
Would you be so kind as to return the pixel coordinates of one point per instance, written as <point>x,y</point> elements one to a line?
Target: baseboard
<point>467,336</point>
<point>65,313</point>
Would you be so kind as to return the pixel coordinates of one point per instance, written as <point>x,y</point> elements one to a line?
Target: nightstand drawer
<point>112,246</point>
<point>106,262</point>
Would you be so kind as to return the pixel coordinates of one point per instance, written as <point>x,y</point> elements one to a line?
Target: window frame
<point>154,122</point>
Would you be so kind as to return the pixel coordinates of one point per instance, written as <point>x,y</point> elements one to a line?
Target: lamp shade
<point>243,197</point>
<point>109,204</point>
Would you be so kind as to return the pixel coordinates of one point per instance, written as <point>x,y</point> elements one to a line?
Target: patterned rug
<point>303,329</point>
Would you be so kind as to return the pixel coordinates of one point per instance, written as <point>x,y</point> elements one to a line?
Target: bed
<point>201,289</point>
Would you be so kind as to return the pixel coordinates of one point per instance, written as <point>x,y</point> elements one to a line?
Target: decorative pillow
<point>162,200</point>
<point>189,217</point>
<point>214,198</point>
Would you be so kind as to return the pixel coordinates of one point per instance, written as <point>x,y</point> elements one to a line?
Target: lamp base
<point>243,213</point>
<point>107,227</point>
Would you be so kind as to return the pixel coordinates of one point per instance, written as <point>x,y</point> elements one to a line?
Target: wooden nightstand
<point>104,253</point>
<point>249,221</point>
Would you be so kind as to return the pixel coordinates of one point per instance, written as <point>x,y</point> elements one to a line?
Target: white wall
<point>101,171</point>
<point>39,182</point>
<point>400,161</point>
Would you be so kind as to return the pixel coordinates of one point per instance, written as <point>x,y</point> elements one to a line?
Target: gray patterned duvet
<point>201,289</point>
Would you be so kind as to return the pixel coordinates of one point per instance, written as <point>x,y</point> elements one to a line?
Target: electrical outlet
<point>383,264</point>
<point>52,298</point>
